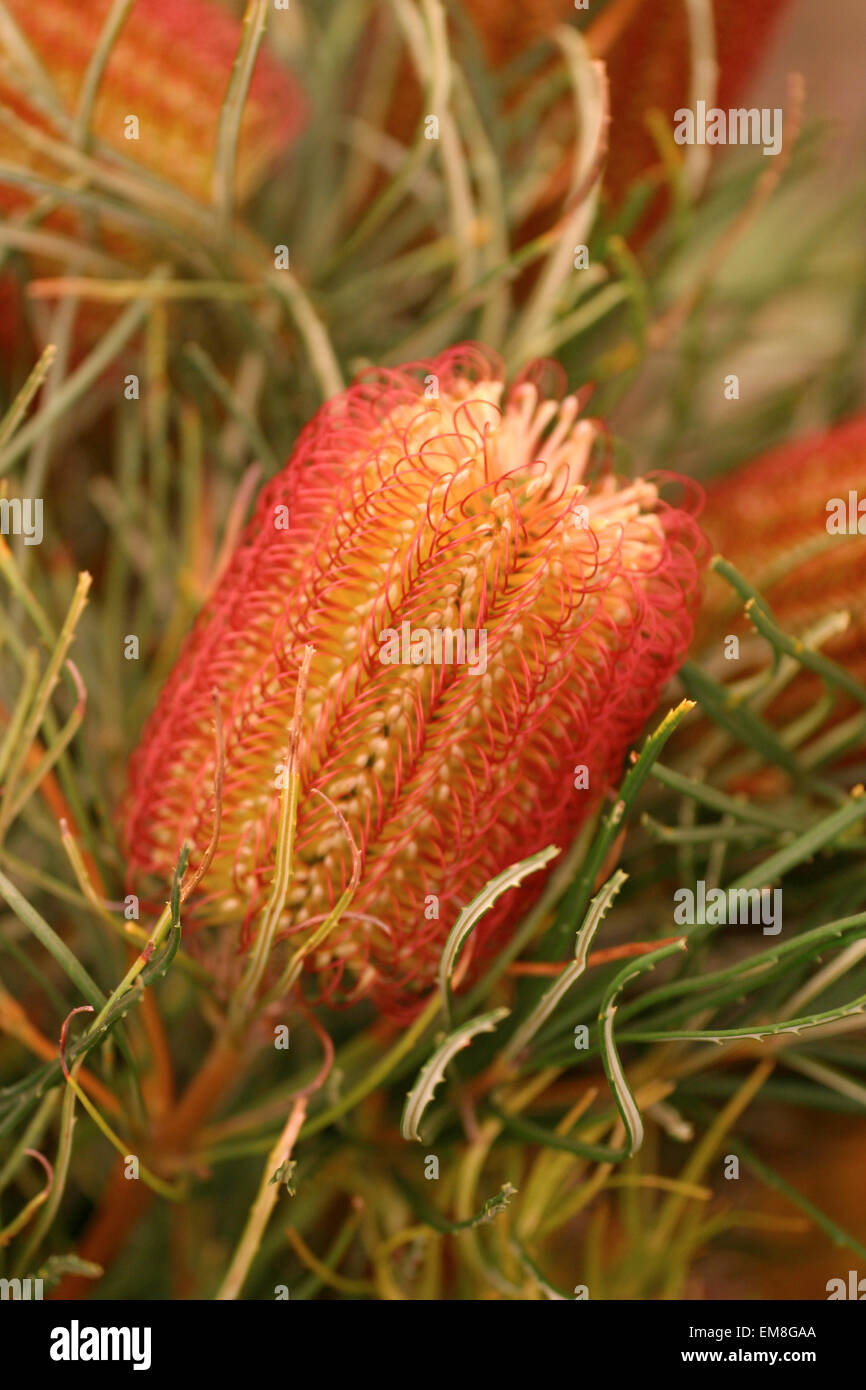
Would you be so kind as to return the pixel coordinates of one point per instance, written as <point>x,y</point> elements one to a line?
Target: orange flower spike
<point>774,520</point>
<point>170,67</point>
<point>784,521</point>
<point>649,68</point>
<point>646,47</point>
<point>486,620</point>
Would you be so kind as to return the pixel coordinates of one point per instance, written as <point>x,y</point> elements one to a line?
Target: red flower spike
<point>468,510</point>
<point>771,520</point>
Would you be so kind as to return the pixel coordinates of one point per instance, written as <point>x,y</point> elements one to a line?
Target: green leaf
<point>544,1008</point>
<point>47,937</point>
<point>509,878</point>
<point>493,1207</point>
<point>575,903</point>
<point>56,1267</point>
<point>625,1101</point>
<point>433,1071</point>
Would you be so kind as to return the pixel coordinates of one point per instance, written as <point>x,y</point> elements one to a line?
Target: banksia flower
<point>169,66</point>
<point>793,522</point>
<point>431,500</point>
<point>169,70</point>
<point>647,52</point>
<point>649,68</point>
